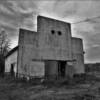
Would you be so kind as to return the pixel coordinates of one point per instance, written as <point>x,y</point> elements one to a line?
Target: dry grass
<point>11,89</point>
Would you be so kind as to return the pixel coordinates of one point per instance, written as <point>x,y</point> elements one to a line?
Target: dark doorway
<point>61,68</point>
<point>12,70</point>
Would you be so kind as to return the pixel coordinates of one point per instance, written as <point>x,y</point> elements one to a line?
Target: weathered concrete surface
<point>37,69</point>
<point>78,55</point>
<point>52,42</point>
<point>70,70</point>
<point>28,53</point>
<point>51,69</point>
<point>54,39</point>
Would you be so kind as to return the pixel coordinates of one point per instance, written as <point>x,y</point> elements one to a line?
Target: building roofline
<point>76,38</point>
<point>11,51</point>
<point>54,19</point>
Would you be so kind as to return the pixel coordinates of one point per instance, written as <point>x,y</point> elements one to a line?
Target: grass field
<point>11,89</point>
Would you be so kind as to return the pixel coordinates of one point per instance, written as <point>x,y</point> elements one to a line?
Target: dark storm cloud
<point>63,9</point>
<point>93,54</point>
<point>90,32</point>
<point>23,13</point>
<point>15,14</point>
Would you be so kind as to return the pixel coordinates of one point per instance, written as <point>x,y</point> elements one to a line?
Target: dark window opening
<point>59,33</point>
<point>61,68</point>
<point>12,70</point>
<point>52,31</point>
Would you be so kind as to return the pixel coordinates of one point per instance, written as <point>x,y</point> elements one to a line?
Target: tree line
<point>4,49</point>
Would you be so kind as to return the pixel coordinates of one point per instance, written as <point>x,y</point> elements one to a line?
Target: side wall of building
<point>11,59</point>
<point>28,65</point>
<point>78,55</point>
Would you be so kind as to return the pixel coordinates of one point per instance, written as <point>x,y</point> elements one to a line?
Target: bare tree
<point>4,48</point>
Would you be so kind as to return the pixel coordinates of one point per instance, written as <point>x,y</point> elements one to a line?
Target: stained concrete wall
<point>54,39</point>
<point>28,65</point>
<point>70,70</point>
<point>78,55</point>
<point>51,69</point>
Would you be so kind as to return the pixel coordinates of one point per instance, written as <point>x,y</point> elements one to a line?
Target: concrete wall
<point>28,65</point>
<point>70,70</point>
<point>51,69</point>
<point>11,59</point>
<point>54,39</point>
<point>78,55</point>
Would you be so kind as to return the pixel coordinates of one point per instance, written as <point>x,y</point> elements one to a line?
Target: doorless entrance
<point>55,69</point>
<point>12,70</point>
<point>61,68</point>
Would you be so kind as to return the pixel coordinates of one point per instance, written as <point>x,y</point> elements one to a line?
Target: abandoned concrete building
<point>50,52</point>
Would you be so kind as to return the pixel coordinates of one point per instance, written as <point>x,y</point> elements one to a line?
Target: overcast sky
<point>23,13</point>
